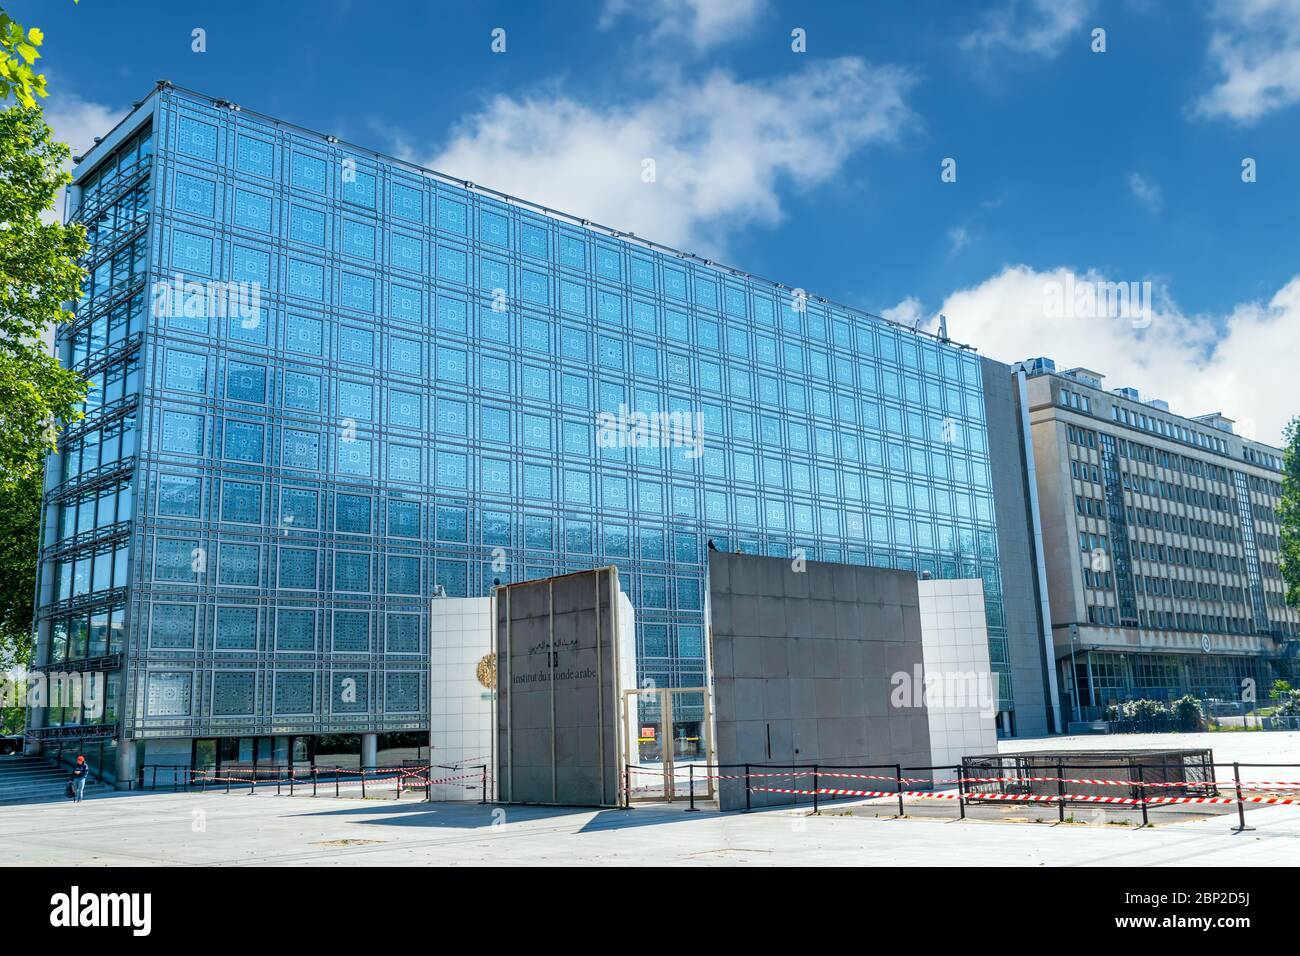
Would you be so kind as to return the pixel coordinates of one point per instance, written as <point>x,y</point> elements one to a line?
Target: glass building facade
<point>328,381</point>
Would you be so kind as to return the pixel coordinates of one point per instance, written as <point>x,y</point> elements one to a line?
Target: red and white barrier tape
<point>1229,784</point>
<point>1027,797</point>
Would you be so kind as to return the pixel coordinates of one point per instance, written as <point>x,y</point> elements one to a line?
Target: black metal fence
<point>1134,780</point>
<point>1182,773</point>
<point>293,780</point>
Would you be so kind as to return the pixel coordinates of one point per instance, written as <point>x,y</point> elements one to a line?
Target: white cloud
<point>958,239</point>
<point>720,148</point>
<point>77,122</point>
<point>1037,27</point>
<point>1242,363</point>
<point>1255,46</point>
<point>909,312</point>
<point>702,23</point>
<point>1147,192</point>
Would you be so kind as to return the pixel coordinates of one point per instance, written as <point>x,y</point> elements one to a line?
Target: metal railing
<point>1059,786</point>
<point>290,779</point>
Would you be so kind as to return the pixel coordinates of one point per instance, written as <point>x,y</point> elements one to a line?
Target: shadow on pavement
<point>478,815</point>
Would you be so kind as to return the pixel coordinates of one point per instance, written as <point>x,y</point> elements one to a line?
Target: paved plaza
<point>240,829</point>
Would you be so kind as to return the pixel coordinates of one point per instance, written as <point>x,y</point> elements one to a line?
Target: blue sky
<point>822,169</point>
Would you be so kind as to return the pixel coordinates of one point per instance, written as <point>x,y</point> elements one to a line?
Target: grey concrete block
<point>826,659</point>
<point>748,657</point>
<point>822,652</point>
<point>749,698</point>
<point>774,651</point>
<point>777,702</point>
<point>803,697</point>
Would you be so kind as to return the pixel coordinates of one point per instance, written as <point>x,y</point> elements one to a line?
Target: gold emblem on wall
<point>487,671</point>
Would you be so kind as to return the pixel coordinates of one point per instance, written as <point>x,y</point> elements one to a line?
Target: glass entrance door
<point>667,743</point>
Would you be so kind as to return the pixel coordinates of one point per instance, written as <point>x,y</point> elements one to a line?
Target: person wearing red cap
<point>80,771</point>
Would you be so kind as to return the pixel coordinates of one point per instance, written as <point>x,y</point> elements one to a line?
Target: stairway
<point>26,779</point>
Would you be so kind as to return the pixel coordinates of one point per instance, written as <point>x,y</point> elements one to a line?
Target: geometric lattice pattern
<point>402,693</point>
<point>233,693</point>
<point>169,694</point>
<point>350,692</point>
<point>294,693</point>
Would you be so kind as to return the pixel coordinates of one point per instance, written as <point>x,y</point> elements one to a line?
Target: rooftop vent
<point>1039,365</point>
<point>1085,375</point>
<point>1216,420</point>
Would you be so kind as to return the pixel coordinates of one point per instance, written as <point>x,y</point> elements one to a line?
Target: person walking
<point>80,773</point>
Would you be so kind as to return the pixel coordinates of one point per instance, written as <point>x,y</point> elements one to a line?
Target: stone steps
<point>26,779</point>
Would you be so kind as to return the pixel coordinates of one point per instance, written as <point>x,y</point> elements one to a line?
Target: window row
<point>111,444</point>
<point>98,508</point>
<point>95,340</point>
<point>87,634</point>
<point>171,694</point>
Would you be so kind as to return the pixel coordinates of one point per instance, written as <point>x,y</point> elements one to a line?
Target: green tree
<point>38,275</point>
<point>18,52</point>
<point>20,513</point>
<point>1288,511</point>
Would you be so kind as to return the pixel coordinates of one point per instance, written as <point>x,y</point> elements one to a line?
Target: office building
<point>329,383</point>
<point>1162,546</point>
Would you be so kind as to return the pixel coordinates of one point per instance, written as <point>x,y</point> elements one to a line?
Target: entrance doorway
<point>667,743</point>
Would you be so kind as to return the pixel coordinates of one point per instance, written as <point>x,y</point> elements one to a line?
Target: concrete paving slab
<point>179,829</point>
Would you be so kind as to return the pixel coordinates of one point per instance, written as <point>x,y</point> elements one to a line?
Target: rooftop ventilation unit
<point>1038,365</point>
<point>1216,420</point>
<point>1085,375</point>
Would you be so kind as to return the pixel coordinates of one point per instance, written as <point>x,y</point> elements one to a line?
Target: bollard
<point>1060,793</point>
<point>1142,795</point>
<point>1241,807</point>
<point>484,772</point>
<point>691,769</point>
<point>814,789</point>
<point>898,774</point>
<point>363,783</point>
<point>313,780</point>
<point>336,780</point>
<point>961,794</point>
<point>746,788</point>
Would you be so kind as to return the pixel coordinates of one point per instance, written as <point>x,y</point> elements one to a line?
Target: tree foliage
<point>38,275</point>
<point>20,512</point>
<point>1289,513</point>
<point>19,50</point>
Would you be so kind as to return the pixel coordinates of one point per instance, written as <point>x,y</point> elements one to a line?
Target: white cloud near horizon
<point>1037,27</point>
<point>1255,49</point>
<point>702,23</point>
<point>1241,364</point>
<point>77,121</point>
<point>722,148</point>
